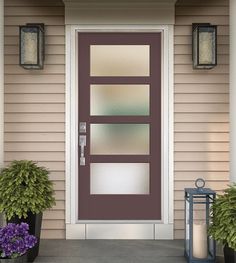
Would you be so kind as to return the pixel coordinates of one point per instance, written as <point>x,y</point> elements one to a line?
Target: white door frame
<point>118,229</point>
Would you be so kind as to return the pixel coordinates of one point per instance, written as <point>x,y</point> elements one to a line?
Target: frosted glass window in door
<point>119,139</point>
<point>119,60</point>
<point>119,178</point>
<point>119,99</point>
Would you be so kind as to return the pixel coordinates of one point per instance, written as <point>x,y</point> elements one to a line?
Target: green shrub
<point>223,212</point>
<point>25,187</point>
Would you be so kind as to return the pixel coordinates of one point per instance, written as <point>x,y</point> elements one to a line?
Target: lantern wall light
<point>204,46</point>
<point>31,42</point>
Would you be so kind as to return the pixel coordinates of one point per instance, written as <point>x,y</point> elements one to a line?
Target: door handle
<point>82,144</point>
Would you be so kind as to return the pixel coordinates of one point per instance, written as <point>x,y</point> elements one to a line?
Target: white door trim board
<point>138,229</point>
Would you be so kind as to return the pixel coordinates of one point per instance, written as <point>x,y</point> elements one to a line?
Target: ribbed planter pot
<point>229,255</point>
<point>34,221</point>
<point>22,259</point>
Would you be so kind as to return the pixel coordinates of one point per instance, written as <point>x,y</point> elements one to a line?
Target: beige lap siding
<point>201,105</point>
<point>35,100</point>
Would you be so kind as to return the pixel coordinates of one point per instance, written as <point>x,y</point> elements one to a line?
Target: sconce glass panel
<point>204,46</point>
<point>32,46</point>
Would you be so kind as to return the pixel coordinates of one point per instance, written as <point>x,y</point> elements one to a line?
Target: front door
<point>119,126</point>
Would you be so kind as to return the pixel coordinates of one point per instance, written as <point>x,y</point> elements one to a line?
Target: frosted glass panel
<point>206,47</point>
<point>119,178</point>
<point>119,139</point>
<point>119,100</point>
<point>119,60</point>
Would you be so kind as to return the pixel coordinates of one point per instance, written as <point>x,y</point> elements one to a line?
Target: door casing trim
<point>81,229</point>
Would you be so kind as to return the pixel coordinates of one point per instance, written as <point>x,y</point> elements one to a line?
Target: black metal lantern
<point>199,247</point>
<point>204,46</point>
<point>32,46</point>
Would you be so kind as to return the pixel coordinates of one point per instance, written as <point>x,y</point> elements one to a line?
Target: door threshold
<point>145,231</point>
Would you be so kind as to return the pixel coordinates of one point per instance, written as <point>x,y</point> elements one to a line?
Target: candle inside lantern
<point>200,240</point>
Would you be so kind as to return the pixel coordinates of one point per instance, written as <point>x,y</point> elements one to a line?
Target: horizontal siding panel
<point>191,78</point>
<point>179,224</point>
<point>34,147</point>
<point>60,205</point>
<point>59,186</point>
<point>201,88</point>
<point>34,117</point>
<point>27,108</point>
<point>187,59</point>
<point>26,10</point>
<point>53,224</point>
<point>190,156</point>
<point>48,20</point>
<point>201,137</point>
<point>53,234</point>
<point>193,175</point>
<point>188,69</point>
<point>53,165</point>
<point>39,157</point>
<point>35,98</point>
<point>217,185</point>
<point>34,137</point>
<point>202,10</point>
<point>178,234</point>
<point>201,166</point>
<point>202,107</point>
<point>51,214</point>
<point>34,127</point>
<point>35,88</point>
<point>215,20</point>
<point>57,176</point>
<point>201,117</point>
<point>48,69</point>
<point>60,195</point>
<point>49,60</point>
<point>201,98</point>
<point>187,30</point>
<point>201,127</point>
<point>49,50</point>
<point>49,30</point>
<point>201,146</point>
<point>11,79</point>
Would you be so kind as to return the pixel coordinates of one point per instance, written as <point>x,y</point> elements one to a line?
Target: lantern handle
<point>200,183</point>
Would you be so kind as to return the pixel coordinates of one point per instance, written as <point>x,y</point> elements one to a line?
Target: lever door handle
<point>82,144</point>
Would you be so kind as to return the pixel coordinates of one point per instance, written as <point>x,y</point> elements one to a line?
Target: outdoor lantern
<point>204,46</point>
<point>199,247</point>
<point>32,46</point>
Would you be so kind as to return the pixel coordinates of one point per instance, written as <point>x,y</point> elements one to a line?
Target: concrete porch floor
<point>113,251</point>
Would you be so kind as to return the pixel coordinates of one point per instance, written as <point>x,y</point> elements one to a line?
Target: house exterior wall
<point>35,100</point>
<point>201,112</point>
<point>35,103</point>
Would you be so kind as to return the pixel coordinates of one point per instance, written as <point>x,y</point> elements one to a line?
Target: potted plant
<point>15,241</point>
<point>25,192</point>
<point>223,227</point>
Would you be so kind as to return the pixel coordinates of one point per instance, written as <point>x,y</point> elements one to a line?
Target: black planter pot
<point>34,221</point>
<point>22,259</point>
<point>229,254</point>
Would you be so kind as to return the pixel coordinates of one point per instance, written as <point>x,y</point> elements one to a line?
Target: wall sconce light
<point>32,46</point>
<point>204,46</point>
